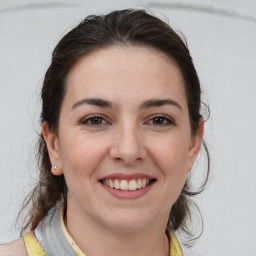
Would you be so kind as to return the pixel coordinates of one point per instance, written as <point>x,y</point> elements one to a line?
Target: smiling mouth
<point>127,185</point>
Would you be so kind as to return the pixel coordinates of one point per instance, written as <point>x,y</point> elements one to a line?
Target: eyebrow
<point>159,102</point>
<point>93,101</point>
<point>147,104</point>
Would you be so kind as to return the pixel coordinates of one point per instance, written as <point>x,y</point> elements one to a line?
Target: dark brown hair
<point>127,28</point>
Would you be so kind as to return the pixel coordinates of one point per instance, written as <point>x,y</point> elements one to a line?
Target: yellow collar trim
<point>175,249</point>
<point>33,247</point>
<point>69,238</point>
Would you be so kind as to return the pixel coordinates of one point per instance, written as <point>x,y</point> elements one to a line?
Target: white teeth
<point>111,183</point>
<point>116,184</point>
<point>139,183</point>
<point>125,185</point>
<point>132,185</point>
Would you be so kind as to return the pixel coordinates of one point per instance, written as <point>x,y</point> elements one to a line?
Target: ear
<point>195,145</point>
<point>53,148</point>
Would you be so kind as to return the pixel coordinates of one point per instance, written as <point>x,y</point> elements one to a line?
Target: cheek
<point>172,158</point>
<point>172,153</point>
<point>81,155</point>
<point>175,172</point>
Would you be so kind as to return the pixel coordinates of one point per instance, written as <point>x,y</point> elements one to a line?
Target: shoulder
<point>14,248</point>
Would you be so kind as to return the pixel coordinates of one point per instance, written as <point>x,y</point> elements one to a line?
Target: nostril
<point>128,150</point>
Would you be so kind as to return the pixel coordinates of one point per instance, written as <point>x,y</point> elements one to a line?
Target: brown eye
<point>160,121</point>
<point>94,121</point>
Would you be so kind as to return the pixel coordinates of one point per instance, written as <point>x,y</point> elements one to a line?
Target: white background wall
<point>221,35</point>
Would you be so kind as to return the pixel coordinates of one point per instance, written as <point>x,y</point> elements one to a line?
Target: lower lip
<point>128,194</point>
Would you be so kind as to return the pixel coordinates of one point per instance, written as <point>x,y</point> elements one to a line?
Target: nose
<point>128,145</point>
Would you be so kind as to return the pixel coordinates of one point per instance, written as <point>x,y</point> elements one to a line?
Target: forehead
<point>130,71</point>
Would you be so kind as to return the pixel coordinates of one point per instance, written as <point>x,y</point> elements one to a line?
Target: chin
<point>128,222</point>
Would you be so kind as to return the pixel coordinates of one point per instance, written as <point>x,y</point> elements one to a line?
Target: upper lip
<point>124,176</point>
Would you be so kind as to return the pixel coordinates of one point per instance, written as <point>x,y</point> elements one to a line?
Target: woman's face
<point>124,142</point>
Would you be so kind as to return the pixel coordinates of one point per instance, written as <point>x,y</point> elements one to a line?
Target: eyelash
<point>88,121</point>
<point>167,121</point>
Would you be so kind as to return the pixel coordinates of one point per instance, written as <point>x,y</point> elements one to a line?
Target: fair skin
<point>16,247</point>
<point>124,117</point>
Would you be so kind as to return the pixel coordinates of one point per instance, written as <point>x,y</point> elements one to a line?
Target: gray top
<point>50,235</point>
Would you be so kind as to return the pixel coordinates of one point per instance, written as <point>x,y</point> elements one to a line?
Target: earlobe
<point>53,148</point>
<point>195,145</point>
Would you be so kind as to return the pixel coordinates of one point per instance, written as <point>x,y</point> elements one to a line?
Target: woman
<point>121,129</point>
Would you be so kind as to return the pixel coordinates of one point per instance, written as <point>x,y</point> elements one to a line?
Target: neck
<point>93,238</point>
